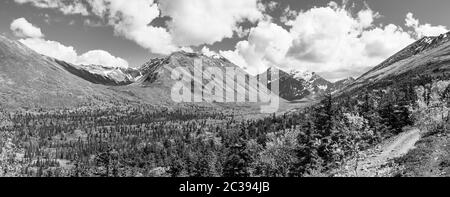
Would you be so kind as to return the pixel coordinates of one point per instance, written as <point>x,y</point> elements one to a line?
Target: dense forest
<point>146,141</point>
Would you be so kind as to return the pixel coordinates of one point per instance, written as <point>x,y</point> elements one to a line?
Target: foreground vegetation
<point>149,141</point>
<point>431,157</point>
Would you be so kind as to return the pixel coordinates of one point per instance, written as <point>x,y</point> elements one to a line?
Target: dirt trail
<point>377,161</point>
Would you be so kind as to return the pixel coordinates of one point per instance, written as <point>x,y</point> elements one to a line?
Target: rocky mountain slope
<point>30,80</point>
<point>156,76</point>
<point>296,85</point>
<point>34,80</point>
<point>98,74</point>
<point>427,57</point>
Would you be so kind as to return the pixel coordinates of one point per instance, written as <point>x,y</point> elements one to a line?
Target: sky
<point>336,39</point>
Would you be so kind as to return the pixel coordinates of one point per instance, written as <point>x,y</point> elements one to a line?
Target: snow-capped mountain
<point>290,87</point>
<point>119,75</point>
<point>30,80</point>
<point>98,74</point>
<point>156,76</point>
<point>296,85</point>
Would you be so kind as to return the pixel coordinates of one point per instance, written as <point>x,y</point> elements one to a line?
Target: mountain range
<point>297,85</point>
<point>294,85</point>
<point>29,80</point>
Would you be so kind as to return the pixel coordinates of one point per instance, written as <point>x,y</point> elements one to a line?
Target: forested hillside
<point>148,141</point>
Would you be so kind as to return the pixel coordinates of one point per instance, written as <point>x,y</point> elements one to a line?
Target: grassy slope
<point>431,158</point>
<point>30,80</point>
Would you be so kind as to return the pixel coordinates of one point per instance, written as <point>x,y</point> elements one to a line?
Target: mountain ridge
<point>428,57</point>
<point>421,45</point>
<point>31,80</point>
<point>298,85</point>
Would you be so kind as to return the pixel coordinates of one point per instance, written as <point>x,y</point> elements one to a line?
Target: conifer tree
<point>238,160</point>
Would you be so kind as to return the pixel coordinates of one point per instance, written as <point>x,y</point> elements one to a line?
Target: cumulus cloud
<point>36,42</point>
<point>384,42</point>
<point>51,48</point>
<point>192,22</point>
<point>22,28</point>
<point>131,20</point>
<point>65,6</point>
<point>267,45</point>
<point>425,29</point>
<point>196,22</point>
<point>329,39</point>
<point>326,40</point>
<point>101,57</point>
<point>69,54</point>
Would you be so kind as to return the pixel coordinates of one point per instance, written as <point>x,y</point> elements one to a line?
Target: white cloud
<point>35,41</point>
<point>366,17</point>
<point>384,42</point>
<point>66,7</point>
<point>235,58</point>
<point>22,28</point>
<point>100,57</point>
<point>425,29</point>
<point>196,22</point>
<point>193,22</point>
<point>51,48</point>
<point>267,45</point>
<point>69,54</point>
<point>206,51</point>
<point>131,20</point>
<point>329,40</point>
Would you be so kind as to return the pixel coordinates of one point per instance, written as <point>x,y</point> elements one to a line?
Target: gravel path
<point>376,162</point>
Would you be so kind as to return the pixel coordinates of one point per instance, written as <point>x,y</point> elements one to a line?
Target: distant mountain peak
<point>298,84</point>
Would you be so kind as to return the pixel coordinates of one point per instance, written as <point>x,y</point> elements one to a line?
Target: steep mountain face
<point>30,80</point>
<point>415,48</point>
<point>341,84</point>
<point>290,87</point>
<point>296,85</point>
<point>428,57</point>
<point>98,74</point>
<point>155,80</point>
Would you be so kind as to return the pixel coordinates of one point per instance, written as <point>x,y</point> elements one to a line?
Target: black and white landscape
<point>219,88</point>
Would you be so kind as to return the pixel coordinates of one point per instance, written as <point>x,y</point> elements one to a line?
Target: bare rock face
<point>99,74</point>
<point>157,73</point>
<point>297,85</point>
